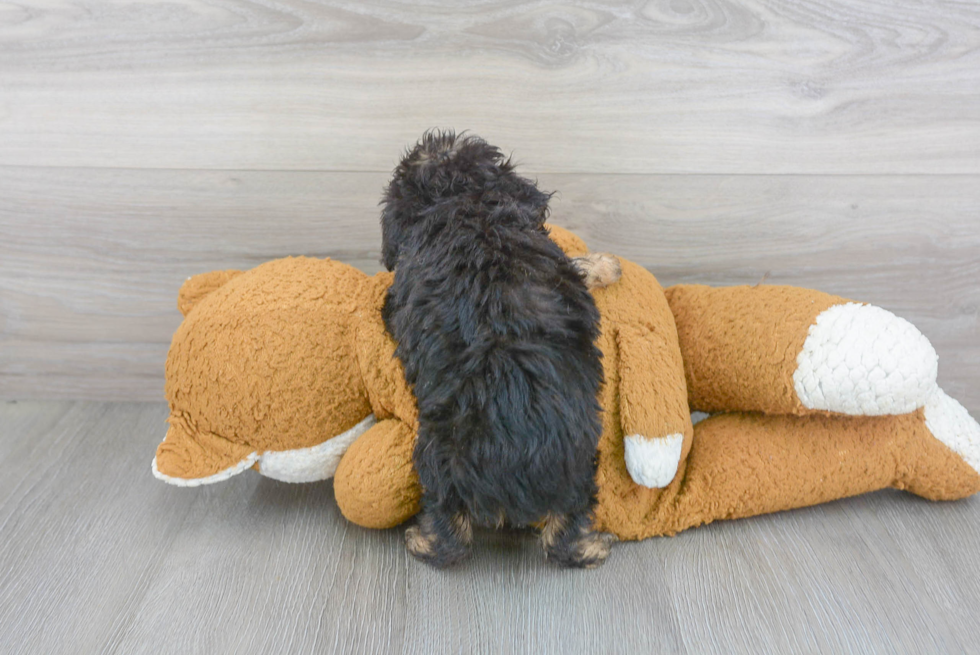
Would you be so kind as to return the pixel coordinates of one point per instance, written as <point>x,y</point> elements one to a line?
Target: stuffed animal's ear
<point>195,288</point>
<point>189,457</point>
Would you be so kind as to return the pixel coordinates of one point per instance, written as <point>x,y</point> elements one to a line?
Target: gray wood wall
<point>826,144</point>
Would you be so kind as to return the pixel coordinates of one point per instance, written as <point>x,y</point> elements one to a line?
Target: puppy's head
<point>448,171</point>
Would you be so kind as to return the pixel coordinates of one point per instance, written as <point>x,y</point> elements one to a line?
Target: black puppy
<point>496,329</point>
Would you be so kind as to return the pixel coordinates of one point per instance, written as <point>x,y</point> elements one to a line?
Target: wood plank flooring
<point>97,556</point>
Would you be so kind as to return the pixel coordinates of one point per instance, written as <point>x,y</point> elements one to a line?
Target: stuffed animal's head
<point>263,372</point>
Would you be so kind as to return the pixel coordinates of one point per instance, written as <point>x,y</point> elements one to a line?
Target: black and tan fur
<point>496,329</point>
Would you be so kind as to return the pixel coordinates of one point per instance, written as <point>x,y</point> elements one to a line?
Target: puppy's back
<point>496,330</point>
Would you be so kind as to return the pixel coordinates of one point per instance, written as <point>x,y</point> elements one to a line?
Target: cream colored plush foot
<point>863,360</point>
<point>653,463</point>
<point>952,424</point>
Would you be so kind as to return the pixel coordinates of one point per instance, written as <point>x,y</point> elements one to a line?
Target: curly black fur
<point>496,331</point>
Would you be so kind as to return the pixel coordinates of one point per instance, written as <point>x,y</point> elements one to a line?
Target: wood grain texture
<point>613,86</point>
<point>97,556</point>
<point>91,260</point>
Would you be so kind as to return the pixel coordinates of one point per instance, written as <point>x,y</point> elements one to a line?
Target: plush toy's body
<point>287,368</point>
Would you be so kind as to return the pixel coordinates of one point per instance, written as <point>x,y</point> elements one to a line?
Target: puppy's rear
<point>496,330</point>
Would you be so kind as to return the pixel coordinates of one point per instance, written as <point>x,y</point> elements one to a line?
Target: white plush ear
<point>863,360</point>
<point>653,463</point>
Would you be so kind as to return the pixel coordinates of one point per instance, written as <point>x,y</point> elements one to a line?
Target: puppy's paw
<point>592,550</point>
<point>570,543</point>
<point>419,546</point>
<point>433,548</point>
<point>598,269</point>
<point>588,551</point>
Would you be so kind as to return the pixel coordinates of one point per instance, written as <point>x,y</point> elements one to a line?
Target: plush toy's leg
<point>646,382</point>
<point>947,421</point>
<point>654,415</point>
<point>375,484</point>
<point>749,464</point>
<point>786,350</point>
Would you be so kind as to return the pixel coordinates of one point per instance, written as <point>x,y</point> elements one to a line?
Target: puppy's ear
<point>423,176</point>
<point>392,235</point>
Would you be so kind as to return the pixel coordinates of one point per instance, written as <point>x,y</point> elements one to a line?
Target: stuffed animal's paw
<point>653,463</point>
<point>863,360</point>
<point>949,422</point>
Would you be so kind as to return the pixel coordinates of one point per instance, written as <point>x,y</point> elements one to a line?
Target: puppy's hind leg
<point>441,536</point>
<point>569,541</point>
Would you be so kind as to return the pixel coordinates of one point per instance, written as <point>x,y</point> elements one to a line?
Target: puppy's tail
<point>598,269</point>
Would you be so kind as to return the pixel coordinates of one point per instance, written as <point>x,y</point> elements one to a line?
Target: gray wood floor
<point>98,557</point>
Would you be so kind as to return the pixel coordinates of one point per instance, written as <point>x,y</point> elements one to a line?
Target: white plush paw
<point>952,424</point>
<point>653,462</point>
<point>863,360</point>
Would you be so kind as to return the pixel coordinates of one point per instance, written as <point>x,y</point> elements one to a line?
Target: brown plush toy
<point>287,369</point>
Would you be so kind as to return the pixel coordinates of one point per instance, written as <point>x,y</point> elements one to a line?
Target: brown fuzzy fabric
<point>294,352</point>
<point>741,344</point>
<point>263,362</point>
